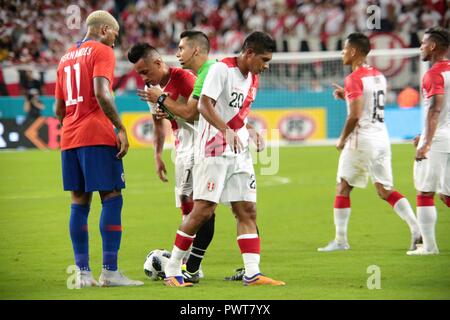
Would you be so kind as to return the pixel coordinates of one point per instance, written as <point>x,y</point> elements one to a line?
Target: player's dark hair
<point>259,42</point>
<point>140,50</point>
<point>440,36</point>
<point>360,41</point>
<point>198,37</point>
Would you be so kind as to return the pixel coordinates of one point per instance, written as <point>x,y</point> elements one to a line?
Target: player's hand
<point>233,141</point>
<point>122,143</point>
<point>161,169</point>
<point>258,139</point>
<point>340,145</point>
<point>151,94</point>
<point>160,114</point>
<point>338,92</point>
<point>416,140</point>
<point>421,153</point>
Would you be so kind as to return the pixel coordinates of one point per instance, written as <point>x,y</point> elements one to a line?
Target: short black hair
<point>360,41</point>
<point>440,36</point>
<point>260,42</point>
<point>198,37</point>
<point>140,50</point>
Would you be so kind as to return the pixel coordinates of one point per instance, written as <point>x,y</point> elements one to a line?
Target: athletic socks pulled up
<point>111,231</point>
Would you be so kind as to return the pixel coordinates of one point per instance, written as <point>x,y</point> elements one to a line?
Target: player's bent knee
<point>343,188</point>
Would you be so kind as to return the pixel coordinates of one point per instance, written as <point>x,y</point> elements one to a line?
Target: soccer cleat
<point>259,280</point>
<point>176,281</point>
<point>334,246</point>
<point>85,279</point>
<point>238,276</point>
<point>416,241</point>
<point>117,279</point>
<point>420,251</point>
<point>191,277</point>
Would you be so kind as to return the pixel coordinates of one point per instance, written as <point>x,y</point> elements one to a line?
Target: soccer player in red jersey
<point>91,151</point>
<point>432,165</point>
<point>364,143</point>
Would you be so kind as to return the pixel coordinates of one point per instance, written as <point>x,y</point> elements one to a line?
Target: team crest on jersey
<point>211,185</point>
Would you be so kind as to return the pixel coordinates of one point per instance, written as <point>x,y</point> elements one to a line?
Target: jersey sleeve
<point>59,93</point>
<point>433,83</point>
<point>104,63</point>
<point>353,88</point>
<point>188,80</point>
<point>215,80</point>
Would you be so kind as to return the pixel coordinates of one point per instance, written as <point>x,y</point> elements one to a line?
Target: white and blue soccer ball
<point>155,262</point>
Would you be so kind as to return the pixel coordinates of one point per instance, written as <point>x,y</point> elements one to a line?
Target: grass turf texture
<point>294,218</point>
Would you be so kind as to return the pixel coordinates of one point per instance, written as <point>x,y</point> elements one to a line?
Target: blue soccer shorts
<point>92,168</point>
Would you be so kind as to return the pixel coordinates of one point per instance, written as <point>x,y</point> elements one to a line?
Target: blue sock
<point>79,234</point>
<point>111,230</point>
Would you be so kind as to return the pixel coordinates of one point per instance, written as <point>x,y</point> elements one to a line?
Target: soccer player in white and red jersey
<point>364,143</point>
<point>223,170</point>
<point>432,165</point>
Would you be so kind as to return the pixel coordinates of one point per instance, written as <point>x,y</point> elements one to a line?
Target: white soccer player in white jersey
<point>364,143</point>
<point>223,170</point>
<point>432,165</point>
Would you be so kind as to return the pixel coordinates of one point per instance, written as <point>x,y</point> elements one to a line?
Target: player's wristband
<point>160,103</point>
<point>161,99</point>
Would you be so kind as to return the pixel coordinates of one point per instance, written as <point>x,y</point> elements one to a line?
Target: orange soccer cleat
<point>259,279</point>
<point>176,282</point>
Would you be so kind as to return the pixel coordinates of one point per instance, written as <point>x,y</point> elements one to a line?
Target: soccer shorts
<point>355,166</point>
<point>92,168</point>
<point>433,174</point>
<point>225,179</point>
<point>183,178</point>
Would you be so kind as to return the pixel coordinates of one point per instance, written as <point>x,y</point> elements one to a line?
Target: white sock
<point>427,217</point>
<point>173,267</point>
<point>251,264</point>
<point>404,210</point>
<point>341,218</point>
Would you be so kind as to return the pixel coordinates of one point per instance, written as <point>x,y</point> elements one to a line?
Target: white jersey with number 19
<point>370,132</point>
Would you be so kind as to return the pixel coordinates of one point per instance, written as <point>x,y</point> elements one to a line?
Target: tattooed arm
<point>106,102</point>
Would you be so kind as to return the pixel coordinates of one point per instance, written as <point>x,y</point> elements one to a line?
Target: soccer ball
<point>155,263</point>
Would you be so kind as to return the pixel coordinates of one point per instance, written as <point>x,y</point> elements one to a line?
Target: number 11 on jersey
<point>70,100</point>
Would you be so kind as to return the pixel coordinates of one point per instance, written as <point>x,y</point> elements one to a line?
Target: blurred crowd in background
<point>36,30</point>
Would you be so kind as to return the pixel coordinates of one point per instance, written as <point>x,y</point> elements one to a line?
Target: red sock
<point>183,241</point>
<point>394,197</point>
<point>249,245</point>
<point>425,201</point>
<point>447,200</point>
<point>341,202</point>
<point>186,207</point>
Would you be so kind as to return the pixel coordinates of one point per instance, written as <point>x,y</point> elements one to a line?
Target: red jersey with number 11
<point>85,123</point>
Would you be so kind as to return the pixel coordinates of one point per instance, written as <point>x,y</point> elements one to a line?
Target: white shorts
<point>183,179</point>
<point>225,179</point>
<point>433,174</point>
<point>355,166</point>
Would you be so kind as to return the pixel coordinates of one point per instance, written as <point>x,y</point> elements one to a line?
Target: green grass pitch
<point>294,217</point>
